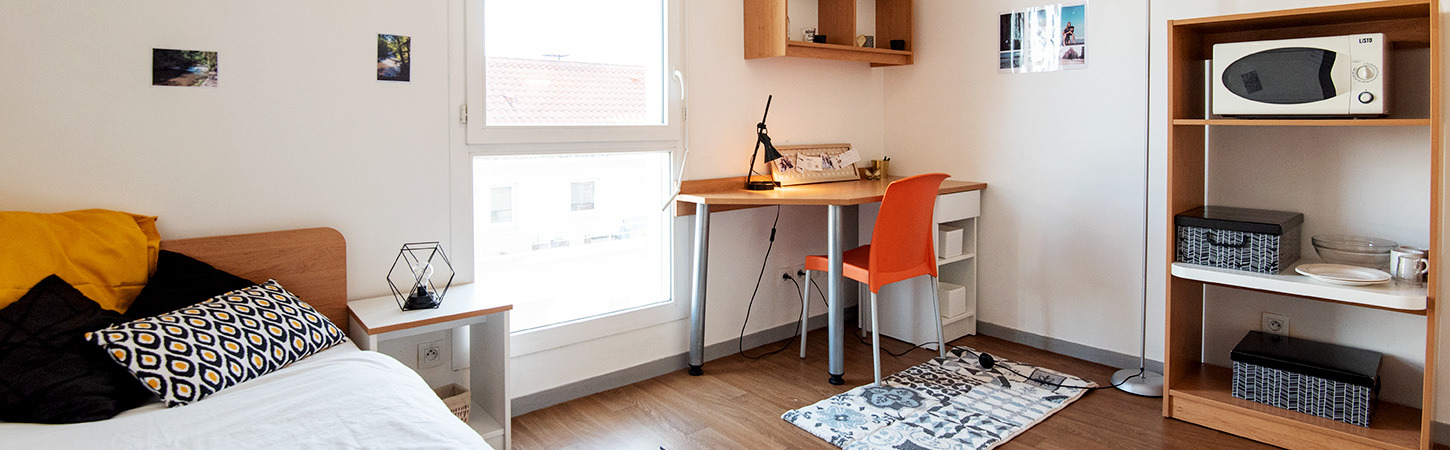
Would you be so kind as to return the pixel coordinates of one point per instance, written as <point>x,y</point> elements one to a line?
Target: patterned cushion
<point>186,355</point>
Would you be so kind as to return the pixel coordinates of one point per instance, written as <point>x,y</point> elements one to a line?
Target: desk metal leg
<point>697,297</point>
<point>835,284</point>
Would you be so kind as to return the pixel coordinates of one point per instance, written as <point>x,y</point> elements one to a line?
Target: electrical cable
<point>986,360</point>
<point>740,341</point>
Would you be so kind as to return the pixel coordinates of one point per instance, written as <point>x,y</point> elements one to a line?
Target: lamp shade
<point>412,277</point>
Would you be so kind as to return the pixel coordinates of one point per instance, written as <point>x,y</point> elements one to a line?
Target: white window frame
<point>479,132</point>
<point>484,140</point>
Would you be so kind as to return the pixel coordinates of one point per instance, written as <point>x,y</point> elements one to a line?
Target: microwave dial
<point>1366,73</point>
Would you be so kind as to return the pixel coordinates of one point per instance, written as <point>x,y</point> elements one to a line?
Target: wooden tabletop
<point>381,314</point>
<point>731,193</point>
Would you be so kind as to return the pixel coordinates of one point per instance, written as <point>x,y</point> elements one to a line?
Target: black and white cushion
<point>191,353</point>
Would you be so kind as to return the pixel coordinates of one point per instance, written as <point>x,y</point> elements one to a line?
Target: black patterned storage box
<point>1255,240</point>
<point>1326,380</point>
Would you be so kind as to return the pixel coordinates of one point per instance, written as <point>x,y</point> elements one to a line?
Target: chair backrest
<point>901,242</point>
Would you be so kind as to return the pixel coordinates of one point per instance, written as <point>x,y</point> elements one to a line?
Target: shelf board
<point>875,56</point>
<point>482,422</point>
<point>1204,394</point>
<point>1305,122</point>
<point>958,318</point>
<point>1386,295</point>
<point>962,257</point>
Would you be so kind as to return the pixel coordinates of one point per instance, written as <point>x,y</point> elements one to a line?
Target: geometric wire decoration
<point>419,258</point>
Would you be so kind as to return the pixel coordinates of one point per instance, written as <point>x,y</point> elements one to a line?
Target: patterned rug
<point>949,403</point>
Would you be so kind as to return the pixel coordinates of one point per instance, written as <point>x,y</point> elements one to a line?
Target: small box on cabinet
<point>952,299</point>
<point>1330,381</point>
<point>948,241</point>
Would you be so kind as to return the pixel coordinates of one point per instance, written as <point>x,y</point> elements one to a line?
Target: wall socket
<point>1275,324</point>
<point>430,354</point>
<point>794,272</point>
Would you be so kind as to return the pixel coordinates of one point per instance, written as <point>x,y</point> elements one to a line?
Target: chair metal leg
<point>941,337</point>
<point>875,341</point>
<point>805,307</point>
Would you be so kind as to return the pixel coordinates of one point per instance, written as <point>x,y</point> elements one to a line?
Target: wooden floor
<point>738,402</point>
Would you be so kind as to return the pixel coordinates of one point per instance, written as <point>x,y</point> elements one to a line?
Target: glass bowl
<point>1354,250</point>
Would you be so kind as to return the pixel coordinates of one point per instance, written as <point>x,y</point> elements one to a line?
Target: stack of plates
<point>1343,274</point>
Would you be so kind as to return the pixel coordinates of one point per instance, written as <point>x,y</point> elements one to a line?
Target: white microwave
<point>1334,76</point>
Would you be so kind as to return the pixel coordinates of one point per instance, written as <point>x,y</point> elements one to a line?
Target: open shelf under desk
<point>1388,295</point>
<point>483,423</point>
<point>1204,396</point>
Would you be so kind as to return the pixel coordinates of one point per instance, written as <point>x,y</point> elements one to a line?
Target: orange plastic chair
<point>901,248</point>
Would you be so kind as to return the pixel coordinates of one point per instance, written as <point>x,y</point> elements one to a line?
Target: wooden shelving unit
<point>766,35</point>
<point>1199,393</point>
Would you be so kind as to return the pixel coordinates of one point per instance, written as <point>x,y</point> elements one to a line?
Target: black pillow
<point>181,281</point>
<point>48,372</point>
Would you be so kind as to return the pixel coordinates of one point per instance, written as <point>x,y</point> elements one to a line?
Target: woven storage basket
<point>1253,240</point>
<point>1327,380</point>
<point>456,397</point>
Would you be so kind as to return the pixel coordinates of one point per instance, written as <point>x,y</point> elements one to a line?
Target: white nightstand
<point>378,319</point>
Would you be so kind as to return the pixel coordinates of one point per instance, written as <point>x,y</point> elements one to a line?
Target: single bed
<point>341,397</point>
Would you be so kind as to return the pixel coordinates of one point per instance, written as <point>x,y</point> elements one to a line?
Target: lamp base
<point>759,185</point>
<point>428,301</point>
<point>1139,382</point>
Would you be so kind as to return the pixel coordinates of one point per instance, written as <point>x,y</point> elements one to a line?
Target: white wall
<point>299,133</point>
<point>1061,153</point>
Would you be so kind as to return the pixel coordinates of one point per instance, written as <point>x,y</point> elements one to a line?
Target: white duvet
<point>341,398</point>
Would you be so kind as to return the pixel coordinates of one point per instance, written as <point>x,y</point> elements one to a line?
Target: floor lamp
<point>1139,380</point>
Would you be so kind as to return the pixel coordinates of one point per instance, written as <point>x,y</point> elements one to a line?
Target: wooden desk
<point>701,197</point>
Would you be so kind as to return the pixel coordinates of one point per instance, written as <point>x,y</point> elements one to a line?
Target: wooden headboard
<point>310,262</point>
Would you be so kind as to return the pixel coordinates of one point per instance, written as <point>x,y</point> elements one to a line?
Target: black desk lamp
<point>765,182</point>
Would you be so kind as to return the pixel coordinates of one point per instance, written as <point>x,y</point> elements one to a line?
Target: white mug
<point>1409,265</point>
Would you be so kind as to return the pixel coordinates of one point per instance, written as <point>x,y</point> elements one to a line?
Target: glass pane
<point>574,62</point>
<point>501,208</point>
<point>581,196</point>
<point>558,265</point>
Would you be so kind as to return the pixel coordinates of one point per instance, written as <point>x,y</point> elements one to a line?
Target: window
<point>581,196</point>
<point>559,267</point>
<point>571,134</point>
<point>501,205</point>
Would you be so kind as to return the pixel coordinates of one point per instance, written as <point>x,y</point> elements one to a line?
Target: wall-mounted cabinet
<point>1199,392</point>
<point>766,33</point>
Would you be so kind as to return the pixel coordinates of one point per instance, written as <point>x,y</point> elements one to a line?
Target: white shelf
<point>483,423</point>
<point>962,257</point>
<point>1385,295</point>
<point>959,317</point>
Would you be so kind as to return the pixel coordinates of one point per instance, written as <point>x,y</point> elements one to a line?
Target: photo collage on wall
<point>1043,39</point>
<point>198,68</point>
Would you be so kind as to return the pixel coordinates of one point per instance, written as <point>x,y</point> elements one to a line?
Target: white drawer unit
<point>956,219</point>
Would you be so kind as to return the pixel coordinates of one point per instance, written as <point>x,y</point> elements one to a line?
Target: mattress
<point>340,398</point>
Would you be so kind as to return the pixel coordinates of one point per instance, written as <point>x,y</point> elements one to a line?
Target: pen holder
<point>880,166</point>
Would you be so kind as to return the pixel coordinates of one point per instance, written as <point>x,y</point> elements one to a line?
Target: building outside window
<point>575,119</point>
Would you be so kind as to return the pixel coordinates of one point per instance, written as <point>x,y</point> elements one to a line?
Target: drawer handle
<point>1216,240</point>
